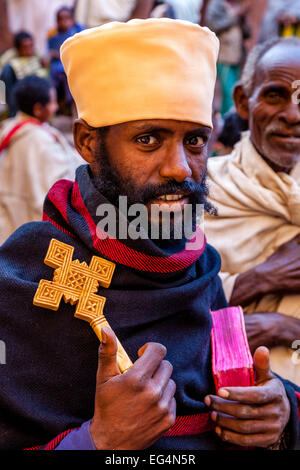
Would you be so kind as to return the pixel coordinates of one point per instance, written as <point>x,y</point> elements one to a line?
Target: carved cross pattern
<point>75,282</point>
<point>78,283</point>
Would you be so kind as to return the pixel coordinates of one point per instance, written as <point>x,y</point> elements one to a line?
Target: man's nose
<point>291,113</point>
<point>175,164</point>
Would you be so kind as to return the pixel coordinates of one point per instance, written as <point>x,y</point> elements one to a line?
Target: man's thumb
<point>262,367</point>
<point>107,357</point>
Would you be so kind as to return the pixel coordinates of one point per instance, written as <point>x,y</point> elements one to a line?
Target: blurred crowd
<point>32,33</point>
<point>37,94</point>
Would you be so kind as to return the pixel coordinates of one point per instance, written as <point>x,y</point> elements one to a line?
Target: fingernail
<point>207,401</point>
<point>218,430</point>
<point>223,393</point>
<point>214,416</point>
<point>103,336</point>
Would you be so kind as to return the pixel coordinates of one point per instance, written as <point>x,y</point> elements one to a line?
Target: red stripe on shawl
<point>184,426</point>
<point>191,425</point>
<point>5,142</point>
<point>54,443</point>
<point>58,195</point>
<point>298,399</point>
<point>46,218</point>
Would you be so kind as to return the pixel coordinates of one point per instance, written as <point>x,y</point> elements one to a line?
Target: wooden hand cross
<point>78,283</point>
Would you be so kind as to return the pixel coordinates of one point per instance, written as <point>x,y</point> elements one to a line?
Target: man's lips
<point>286,136</point>
<point>170,202</point>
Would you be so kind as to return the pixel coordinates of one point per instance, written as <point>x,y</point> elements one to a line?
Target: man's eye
<point>147,140</point>
<point>196,141</point>
<point>273,96</point>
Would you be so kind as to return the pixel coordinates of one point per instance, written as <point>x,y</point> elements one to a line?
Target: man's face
<point>161,162</point>
<point>65,21</point>
<point>26,48</point>
<point>274,116</point>
<point>45,113</point>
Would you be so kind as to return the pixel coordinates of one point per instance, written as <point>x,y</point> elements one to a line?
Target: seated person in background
<point>97,12</point>
<point>227,18</point>
<point>25,62</point>
<point>257,195</point>
<point>6,57</point>
<point>213,143</point>
<point>282,18</point>
<point>66,27</point>
<point>33,155</point>
<point>146,140</point>
<point>162,9</point>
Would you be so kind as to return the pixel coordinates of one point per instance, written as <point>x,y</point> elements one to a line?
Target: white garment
<point>93,13</point>
<point>36,17</point>
<point>258,211</point>
<point>29,166</point>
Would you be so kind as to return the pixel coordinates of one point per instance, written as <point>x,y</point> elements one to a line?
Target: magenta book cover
<point>232,362</point>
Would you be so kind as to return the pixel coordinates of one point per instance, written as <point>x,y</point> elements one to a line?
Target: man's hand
<point>132,410</point>
<point>252,416</point>
<point>279,274</point>
<point>271,329</point>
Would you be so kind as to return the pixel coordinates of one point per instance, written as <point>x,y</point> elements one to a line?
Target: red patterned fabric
<point>46,218</point>
<point>121,253</point>
<point>298,398</point>
<point>112,248</point>
<point>54,443</point>
<point>191,425</point>
<point>57,440</point>
<point>183,426</point>
<point>58,195</point>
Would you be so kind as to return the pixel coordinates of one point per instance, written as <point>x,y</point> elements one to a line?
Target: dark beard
<point>111,185</point>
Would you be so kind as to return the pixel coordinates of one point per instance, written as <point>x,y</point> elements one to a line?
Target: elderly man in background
<point>257,194</point>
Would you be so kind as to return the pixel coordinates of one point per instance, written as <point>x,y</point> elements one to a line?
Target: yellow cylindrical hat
<point>142,69</point>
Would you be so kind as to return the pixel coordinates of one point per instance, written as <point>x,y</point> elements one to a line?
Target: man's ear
<point>85,140</point>
<point>241,101</point>
<point>37,110</point>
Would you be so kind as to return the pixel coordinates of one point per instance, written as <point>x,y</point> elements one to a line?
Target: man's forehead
<point>280,64</point>
<point>163,124</point>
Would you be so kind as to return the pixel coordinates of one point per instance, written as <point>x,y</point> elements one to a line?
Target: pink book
<point>232,362</point>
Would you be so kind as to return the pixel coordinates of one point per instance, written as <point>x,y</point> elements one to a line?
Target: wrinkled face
<point>26,48</point>
<point>274,113</point>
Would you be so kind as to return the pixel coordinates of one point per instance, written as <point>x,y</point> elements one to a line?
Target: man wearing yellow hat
<point>144,93</point>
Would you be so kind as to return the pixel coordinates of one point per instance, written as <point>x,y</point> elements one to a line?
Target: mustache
<point>186,188</point>
<point>283,129</point>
